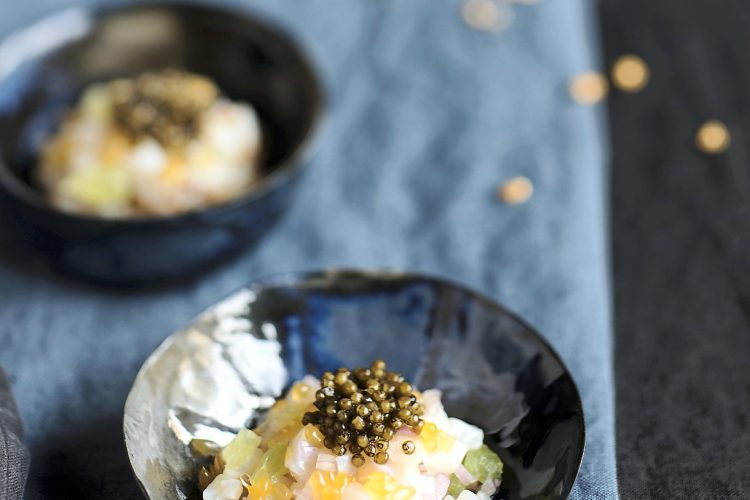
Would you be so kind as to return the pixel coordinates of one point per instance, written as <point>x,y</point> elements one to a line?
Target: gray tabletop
<point>426,117</point>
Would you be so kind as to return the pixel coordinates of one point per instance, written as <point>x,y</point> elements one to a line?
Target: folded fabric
<point>14,458</point>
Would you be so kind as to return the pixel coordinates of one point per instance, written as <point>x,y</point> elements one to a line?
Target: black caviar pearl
<point>358,423</point>
<point>376,417</point>
<point>378,364</point>
<point>404,389</point>
<point>381,457</point>
<point>395,424</point>
<point>309,418</point>
<point>362,441</point>
<point>343,438</point>
<point>378,429</point>
<point>408,447</point>
<point>370,450</point>
<point>381,444</point>
<point>363,411</point>
<point>358,460</point>
<point>348,388</point>
<point>420,424</point>
<point>404,414</point>
<point>404,402</point>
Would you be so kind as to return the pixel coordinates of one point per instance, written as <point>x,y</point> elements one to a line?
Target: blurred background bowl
<point>45,67</point>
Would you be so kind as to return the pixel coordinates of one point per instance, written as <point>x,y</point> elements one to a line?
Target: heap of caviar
<point>165,105</point>
<point>362,409</point>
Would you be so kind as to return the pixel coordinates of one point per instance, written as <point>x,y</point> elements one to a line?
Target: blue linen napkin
<point>426,117</point>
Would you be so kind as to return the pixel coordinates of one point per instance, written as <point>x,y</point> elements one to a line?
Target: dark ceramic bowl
<point>225,369</point>
<point>44,68</point>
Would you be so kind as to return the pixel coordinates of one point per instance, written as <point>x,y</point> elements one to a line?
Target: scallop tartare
<point>159,144</point>
<point>363,434</point>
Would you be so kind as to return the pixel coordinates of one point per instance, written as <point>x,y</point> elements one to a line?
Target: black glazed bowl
<point>44,68</point>
<point>229,365</point>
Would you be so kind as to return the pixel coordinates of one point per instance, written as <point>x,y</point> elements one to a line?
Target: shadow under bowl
<point>224,370</point>
<point>45,67</point>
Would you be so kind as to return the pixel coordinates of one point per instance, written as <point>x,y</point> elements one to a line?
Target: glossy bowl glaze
<point>226,368</point>
<point>44,68</point>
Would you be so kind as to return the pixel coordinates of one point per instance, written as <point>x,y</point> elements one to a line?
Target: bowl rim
<point>380,274</point>
<point>284,171</point>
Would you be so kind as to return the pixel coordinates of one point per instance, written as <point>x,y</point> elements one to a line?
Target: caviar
<point>165,105</point>
<point>360,410</point>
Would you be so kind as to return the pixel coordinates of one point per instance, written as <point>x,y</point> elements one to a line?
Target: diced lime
<point>483,464</point>
<point>97,187</point>
<point>456,486</point>
<point>236,453</point>
<point>273,460</point>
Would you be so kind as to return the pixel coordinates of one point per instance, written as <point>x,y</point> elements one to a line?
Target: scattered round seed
<point>630,73</point>
<point>713,137</point>
<point>487,15</point>
<point>589,88</point>
<point>481,14</point>
<point>516,190</point>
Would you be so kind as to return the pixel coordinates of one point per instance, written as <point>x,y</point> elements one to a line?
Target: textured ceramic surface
<point>227,367</point>
<point>43,69</point>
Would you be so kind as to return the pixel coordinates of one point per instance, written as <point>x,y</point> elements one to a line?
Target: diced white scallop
<point>147,157</point>
<point>233,129</point>
<point>433,408</point>
<point>223,487</point>
<point>355,491</point>
<point>302,457</point>
<point>221,181</point>
<point>471,435</point>
<point>445,462</point>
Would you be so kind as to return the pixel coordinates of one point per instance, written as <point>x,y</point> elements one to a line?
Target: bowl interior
<point>45,67</point>
<point>227,368</point>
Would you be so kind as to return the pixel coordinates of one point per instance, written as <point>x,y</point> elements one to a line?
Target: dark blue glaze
<point>250,61</point>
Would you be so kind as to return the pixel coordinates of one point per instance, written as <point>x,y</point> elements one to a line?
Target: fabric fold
<point>14,458</point>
